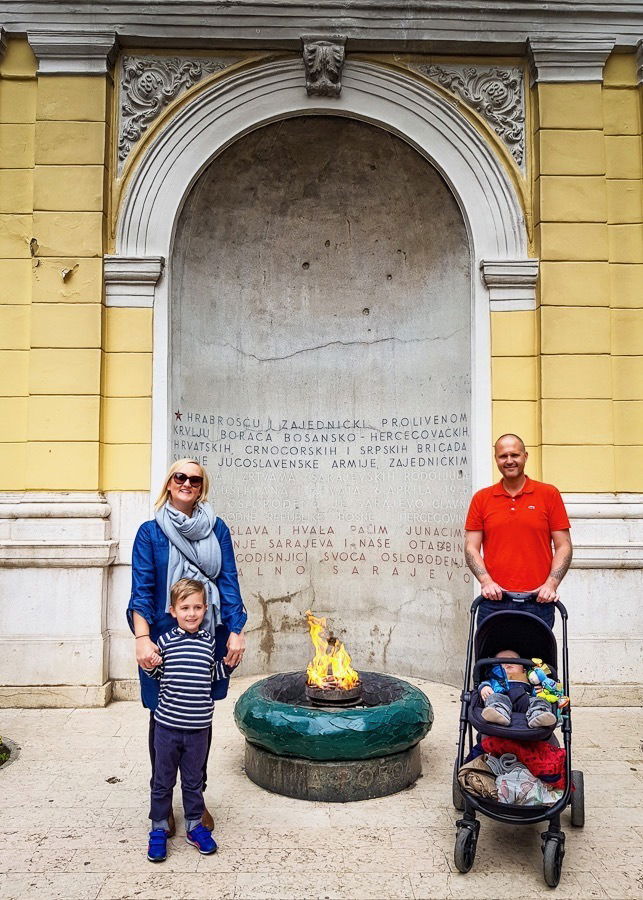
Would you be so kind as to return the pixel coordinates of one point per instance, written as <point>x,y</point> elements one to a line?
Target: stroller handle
<point>520,597</point>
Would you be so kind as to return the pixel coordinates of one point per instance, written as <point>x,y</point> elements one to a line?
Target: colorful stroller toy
<point>530,637</point>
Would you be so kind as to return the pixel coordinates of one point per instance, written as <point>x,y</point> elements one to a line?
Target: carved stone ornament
<point>323,62</point>
<point>149,84</point>
<point>497,94</point>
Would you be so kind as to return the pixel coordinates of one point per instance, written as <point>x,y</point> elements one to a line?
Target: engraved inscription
<point>398,528</point>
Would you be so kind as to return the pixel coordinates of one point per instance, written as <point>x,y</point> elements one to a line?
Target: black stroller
<point>526,634</point>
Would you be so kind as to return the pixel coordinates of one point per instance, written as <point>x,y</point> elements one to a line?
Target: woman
<point>184,540</point>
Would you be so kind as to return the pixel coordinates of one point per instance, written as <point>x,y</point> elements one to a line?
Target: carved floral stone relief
<point>495,93</point>
<point>149,84</point>
<point>323,62</point>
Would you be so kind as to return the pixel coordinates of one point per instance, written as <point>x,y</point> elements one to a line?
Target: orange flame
<point>331,665</point>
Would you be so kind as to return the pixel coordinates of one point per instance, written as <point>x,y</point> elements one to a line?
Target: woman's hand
<point>236,648</point>
<point>147,653</point>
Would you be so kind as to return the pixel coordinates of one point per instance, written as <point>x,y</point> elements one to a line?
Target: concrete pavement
<point>73,824</point>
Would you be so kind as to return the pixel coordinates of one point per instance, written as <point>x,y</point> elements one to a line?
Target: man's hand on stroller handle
<point>489,589</point>
<point>547,592</point>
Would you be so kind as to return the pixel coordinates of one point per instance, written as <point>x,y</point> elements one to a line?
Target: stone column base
<point>56,696</point>
<point>55,554</point>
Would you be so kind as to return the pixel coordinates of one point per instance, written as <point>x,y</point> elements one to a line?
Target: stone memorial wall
<point>321,372</point>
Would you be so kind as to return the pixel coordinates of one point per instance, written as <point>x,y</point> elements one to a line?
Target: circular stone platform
<point>333,782</point>
<point>331,754</point>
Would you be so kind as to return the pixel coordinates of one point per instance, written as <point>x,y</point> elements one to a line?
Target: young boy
<point>186,668</point>
<point>508,689</point>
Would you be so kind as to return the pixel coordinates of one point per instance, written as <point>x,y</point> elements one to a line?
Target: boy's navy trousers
<point>178,750</point>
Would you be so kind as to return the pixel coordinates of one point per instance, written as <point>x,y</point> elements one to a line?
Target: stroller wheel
<point>456,793</point>
<point>553,853</point>
<point>465,846</point>
<point>578,799</point>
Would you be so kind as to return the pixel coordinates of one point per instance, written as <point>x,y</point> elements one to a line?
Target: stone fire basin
<point>333,754</point>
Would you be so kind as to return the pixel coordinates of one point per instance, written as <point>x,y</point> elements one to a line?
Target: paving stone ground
<point>73,824</point>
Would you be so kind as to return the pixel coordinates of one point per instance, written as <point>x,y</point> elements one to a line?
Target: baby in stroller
<point>509,689</point>
<point>504,695</point>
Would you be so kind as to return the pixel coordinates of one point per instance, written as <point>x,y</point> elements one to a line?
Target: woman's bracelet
<point>142,635</point>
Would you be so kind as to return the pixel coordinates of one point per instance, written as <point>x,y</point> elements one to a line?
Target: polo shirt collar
<point>527,488</point>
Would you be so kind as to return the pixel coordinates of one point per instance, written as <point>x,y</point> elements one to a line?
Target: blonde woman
<point>184,540</point>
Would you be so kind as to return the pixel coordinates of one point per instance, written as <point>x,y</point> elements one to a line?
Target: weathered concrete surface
<point>68,830</point>
<point>321,348</point>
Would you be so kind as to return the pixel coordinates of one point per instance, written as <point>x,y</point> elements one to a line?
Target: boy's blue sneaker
<point>201,838</point>
<point>157,846</point>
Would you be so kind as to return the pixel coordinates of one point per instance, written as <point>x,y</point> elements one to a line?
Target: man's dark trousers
<point>178,750</point>
<point>544,611</point>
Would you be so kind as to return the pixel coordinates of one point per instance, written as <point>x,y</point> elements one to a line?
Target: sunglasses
<point>192,480</point>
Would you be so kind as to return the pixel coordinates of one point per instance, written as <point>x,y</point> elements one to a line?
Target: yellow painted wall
<point>18,92</point>
<point>76,377</point>
<point>582,407</point>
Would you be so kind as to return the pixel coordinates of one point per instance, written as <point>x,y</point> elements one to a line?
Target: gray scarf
<point>195,553</point>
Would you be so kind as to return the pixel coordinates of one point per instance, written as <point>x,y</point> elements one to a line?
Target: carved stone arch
<point>503,275</point>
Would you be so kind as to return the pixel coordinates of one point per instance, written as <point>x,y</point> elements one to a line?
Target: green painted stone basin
<point>274,714</point>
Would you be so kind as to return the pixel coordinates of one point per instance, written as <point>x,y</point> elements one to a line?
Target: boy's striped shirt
<point>186,675</point>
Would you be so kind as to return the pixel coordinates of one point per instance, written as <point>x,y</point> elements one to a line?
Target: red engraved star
<point>178,415</point>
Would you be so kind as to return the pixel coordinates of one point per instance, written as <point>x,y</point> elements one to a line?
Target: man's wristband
<point>142,635</point>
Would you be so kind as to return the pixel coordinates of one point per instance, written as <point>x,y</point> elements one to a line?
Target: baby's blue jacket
<point>499,683</point>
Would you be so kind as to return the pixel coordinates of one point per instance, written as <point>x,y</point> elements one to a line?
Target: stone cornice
<point>511,283</point>
<point>564,60</point>
<point>130,281</point>
<point>73,52</point>
<point>604,506</point>
<point>417,25</point>
<point>608,556</point>
<point>57,554</point>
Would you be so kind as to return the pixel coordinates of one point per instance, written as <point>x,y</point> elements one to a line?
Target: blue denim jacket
<point>150,555</point>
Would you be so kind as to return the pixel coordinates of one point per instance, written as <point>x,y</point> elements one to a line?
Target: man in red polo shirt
<point>517,536</point>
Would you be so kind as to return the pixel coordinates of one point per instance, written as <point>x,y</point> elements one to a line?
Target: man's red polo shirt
<point>516,541</point>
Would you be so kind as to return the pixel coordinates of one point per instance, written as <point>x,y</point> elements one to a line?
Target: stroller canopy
<point>520,631</point>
